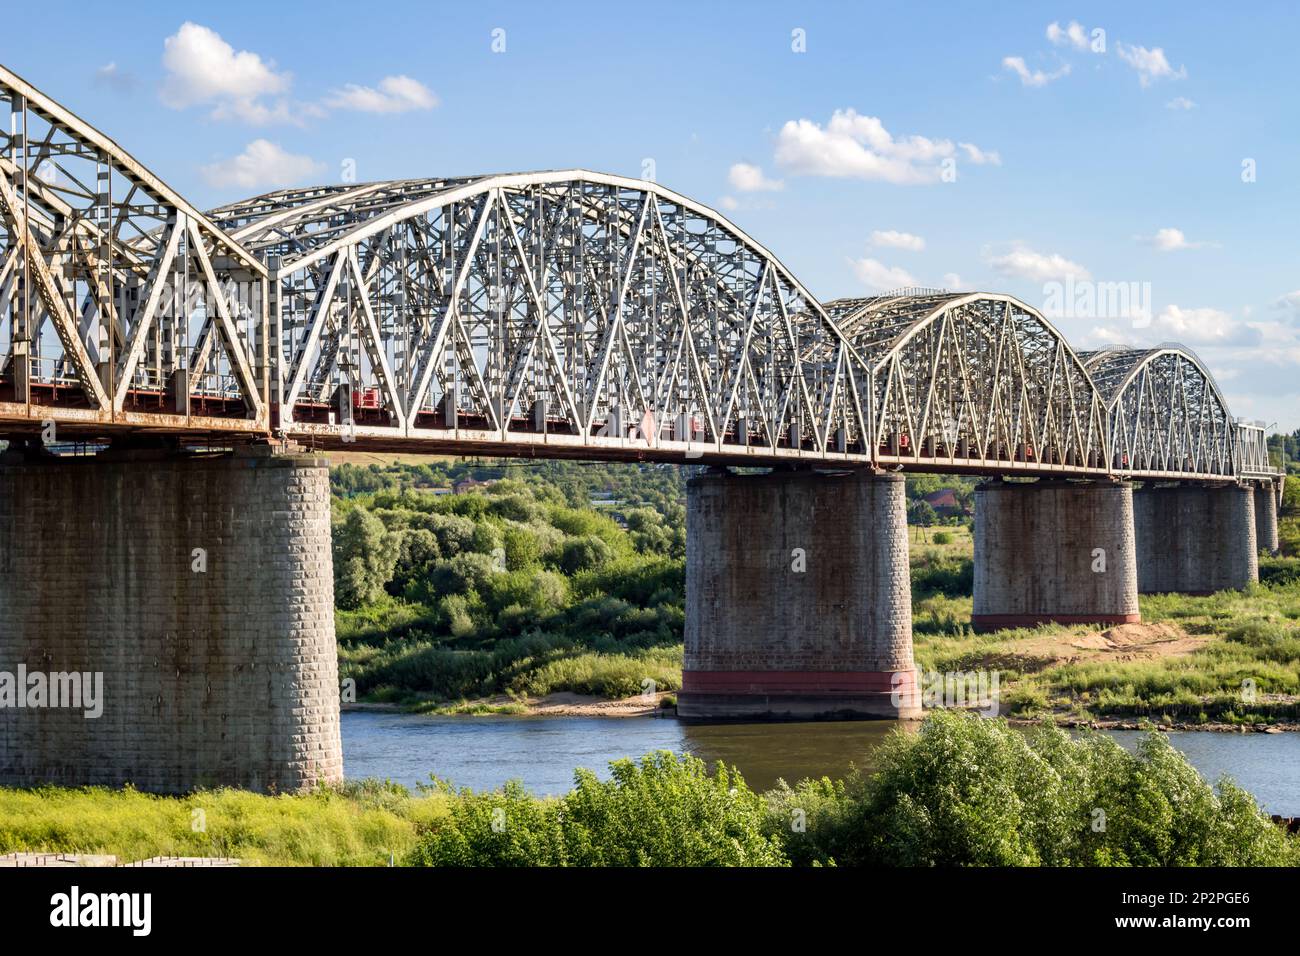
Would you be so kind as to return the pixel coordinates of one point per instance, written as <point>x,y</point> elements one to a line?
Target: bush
<point>507,827</point>
<point>588,553</point>
<point>664,810</point>
<point>972,792</point>
<point>1262,633</point>
<point>953,578</point>
<point>1279,572</point>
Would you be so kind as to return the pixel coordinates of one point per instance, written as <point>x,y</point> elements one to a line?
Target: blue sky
<point>1113,157</point>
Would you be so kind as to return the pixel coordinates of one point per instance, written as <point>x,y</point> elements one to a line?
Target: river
<point>543,752</point>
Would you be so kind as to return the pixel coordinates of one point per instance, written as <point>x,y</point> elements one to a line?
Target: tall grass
<point>361,825</point>
<point>605,675</point>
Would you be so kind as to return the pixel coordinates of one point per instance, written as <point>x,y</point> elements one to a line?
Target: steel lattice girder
<point>1167,417</point>
<point>976,378</point>
<point>591,308</point>
<point>112,286</point>
<point>573,312</point>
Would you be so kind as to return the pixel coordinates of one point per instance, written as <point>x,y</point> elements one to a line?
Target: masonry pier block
<point>1058,551</point>
<point>1266,517</point>
<point>1195,539</point>
<point>798,598</point>
<point>201,589</point>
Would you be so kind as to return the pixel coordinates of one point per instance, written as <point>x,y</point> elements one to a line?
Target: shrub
<point>663,810</point>
<point>966,791</point>
<point>1262,633</point>
<point>953,578</point>
<point>589,553</point>
<point>506,827</point>
<point>667,810</point>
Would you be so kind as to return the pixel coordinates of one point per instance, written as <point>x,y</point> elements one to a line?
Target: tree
<point>921,513</point>
<point>418,550</point>
<point>588,553</point>
<point>365,555</point>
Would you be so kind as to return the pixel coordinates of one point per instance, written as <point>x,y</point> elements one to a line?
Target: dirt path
<point>1124,642</point>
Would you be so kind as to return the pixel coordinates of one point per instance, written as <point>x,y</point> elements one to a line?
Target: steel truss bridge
<point>551,314</point>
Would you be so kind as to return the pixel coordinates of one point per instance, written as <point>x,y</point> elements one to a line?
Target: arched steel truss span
<point>120,304</point>
<point>1167,417</point>
<point>973,382</point>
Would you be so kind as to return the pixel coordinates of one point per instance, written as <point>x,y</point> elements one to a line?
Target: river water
<point>543,752</point>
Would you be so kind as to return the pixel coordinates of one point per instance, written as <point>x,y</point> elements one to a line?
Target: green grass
<point>472,708</point>
<point>605,675</point>
<point>360,825</point>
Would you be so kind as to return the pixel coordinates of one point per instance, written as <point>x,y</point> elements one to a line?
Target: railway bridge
<point>211,359</point>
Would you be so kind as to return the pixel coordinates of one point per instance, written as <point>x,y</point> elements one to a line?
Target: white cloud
<point>750,179</point>
<point>1029,77</point>
<point>396,94</point>
<point>1170,240</point>
<point>1024,263</point>
<point>855,146</point>
<point>1201,327</point>
<point>729,203</point>
<point>1150,64</point>
<point>952,281</point>
<point>112,76</point>
<point>1074,35</point>
<point>1290,301</point>
<point>203,69</point>
<point>892,239</point>
<point>880,277</point>
<point>262,164</point>
<point>1180,103</point>
<point>981,157</point>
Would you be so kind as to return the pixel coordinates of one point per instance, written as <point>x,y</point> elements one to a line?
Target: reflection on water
<point>766,752</point>
<point>543,752</point>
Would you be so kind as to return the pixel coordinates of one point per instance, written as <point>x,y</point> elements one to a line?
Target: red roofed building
<point>944,502</point>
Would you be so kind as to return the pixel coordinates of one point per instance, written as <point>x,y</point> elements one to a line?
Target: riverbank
<point>559,704</point>
<point>562,592</point>
<point>1189,671</point>
<point>585,705</point>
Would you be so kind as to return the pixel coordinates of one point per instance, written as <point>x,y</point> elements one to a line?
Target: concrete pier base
<point>1195,539</point>
<point>200,591</point>
<point>798,599</point>
<point>1266,518</point>
<point>1054,551</point>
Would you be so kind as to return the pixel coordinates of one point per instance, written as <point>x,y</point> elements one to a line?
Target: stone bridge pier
<point>196,592</point>
<point>798,598</point>
<point>1266,506</point>
<point>1051,550</point>
<point>1196,539</point>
